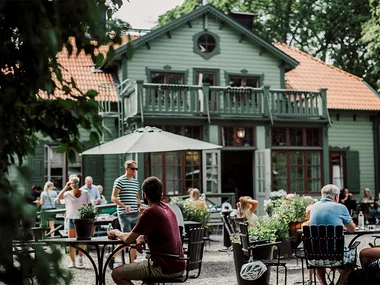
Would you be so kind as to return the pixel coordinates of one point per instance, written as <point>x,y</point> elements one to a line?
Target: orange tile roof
<point>81,68</point>
<point>344,90</point>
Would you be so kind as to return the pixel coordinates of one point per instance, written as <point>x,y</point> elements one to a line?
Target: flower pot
<point>285,248</point>
<point>83,228</point>
<point>240,259</point>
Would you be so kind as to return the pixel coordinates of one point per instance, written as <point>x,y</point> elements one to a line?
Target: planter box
<point>240,259</point>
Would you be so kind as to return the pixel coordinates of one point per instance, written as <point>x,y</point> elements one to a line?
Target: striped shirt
<point>127,195</point>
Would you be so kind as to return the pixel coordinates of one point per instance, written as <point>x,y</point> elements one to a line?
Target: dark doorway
<point>237,173</point>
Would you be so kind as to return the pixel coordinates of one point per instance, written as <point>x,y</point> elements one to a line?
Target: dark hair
<point>36,187</point>
<point>152,187</point>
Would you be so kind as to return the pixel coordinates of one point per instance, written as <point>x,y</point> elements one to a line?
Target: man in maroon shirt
<point>158,224</point>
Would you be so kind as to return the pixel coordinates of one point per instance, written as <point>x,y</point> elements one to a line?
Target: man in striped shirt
<point>125,195</point>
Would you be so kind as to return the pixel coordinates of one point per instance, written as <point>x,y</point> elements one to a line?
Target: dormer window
<point>206,44</point>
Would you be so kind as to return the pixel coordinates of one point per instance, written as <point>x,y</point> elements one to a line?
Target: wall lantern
<point>240,133</point>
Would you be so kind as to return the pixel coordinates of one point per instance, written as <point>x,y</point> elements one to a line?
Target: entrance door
<point>237,173</point>
<point>263,177</point>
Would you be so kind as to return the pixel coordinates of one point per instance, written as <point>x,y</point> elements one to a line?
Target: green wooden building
<point>285,119</point>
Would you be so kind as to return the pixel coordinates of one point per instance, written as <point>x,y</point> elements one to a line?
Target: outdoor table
<point>104,220</point>
<point>100,244</point>
<point>360,233</point>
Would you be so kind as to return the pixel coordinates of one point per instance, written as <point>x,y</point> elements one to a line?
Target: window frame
<point>197,50</point>
<point>184,181</point>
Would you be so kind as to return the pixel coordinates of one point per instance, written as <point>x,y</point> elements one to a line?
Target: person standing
<point>48,199</point>
<point>74,200</point>
<point>92,189</point>
<point>126,196</point>
<point>158,226</point>
<point>328,211</point>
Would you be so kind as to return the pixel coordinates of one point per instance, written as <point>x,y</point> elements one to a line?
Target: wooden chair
<point>249,250</point>
<point>194,256</point>
<point>323,247</point>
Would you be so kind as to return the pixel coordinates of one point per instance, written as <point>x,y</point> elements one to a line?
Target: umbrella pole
<point>149,161</point>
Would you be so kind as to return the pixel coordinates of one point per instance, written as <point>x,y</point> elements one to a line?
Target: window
<point>239,81</point>
<point>297,171</point>
<point>296,137</point>
<point>179,170</point>
<point>294,168</point>
<point>57,167</point>
<point>238,136</point>
<point>206,44</point>
<point>166,78</point>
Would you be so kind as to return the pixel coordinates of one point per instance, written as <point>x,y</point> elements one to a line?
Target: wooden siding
<point>357,135</point>
<point>178,53</point>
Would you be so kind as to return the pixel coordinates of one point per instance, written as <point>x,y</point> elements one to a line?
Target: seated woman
<point>367,198</point>
<point>345,198</point>
<point>195,198</point>
<point>246,208</point>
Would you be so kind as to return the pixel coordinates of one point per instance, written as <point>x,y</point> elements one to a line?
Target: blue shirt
<point>327,212</point>
<point>93,191</point>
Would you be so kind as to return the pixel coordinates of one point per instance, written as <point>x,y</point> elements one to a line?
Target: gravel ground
<point>217,267</point>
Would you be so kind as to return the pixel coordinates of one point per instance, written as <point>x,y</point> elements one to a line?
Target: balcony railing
<point>216,101</point>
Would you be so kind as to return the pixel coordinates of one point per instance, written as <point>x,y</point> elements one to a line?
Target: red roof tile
<point>344,90</point>
<point>81,68</point>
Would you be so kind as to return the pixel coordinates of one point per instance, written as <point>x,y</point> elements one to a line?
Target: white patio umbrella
<point>150,139</point>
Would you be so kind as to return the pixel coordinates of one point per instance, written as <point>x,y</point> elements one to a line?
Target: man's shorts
<point>140,271</point>
<point>349,257</point>
<point>127,221</point>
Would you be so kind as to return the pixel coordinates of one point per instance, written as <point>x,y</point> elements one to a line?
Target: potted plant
<point>191,212</point>
<point>85,223</point>
<point>266,230</point>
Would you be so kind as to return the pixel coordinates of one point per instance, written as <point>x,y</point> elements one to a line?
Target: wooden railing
<point>195,100</point>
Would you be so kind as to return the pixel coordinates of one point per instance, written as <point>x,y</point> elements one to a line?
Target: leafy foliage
<point>191,212</point>
<point>328,30</point>
<point>268,229</point>
<point>31,35</point>
<point>88,212</point>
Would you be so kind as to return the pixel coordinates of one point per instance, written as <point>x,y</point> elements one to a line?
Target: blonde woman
<point>74,200</point>
<point>48,199</point>
<point>246,208</point>
<point>367,205</point>
<point>195,195</point>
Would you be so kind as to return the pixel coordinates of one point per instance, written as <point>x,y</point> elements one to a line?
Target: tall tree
<point>31,35</point>
<point>371,37</point>
<point>327,29</point>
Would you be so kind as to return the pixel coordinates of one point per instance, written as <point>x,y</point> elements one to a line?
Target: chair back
<point>244,238</point>
<point>195,249</point>
<point>323,242</point>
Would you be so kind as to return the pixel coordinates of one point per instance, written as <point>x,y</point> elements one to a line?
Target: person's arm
<point>138,199</point>
<point>253,203</point>
<point>350,227</point>
<point>40,200</point>
<point>128,238</point>
<point>67,186</point>
<point>114,199</point>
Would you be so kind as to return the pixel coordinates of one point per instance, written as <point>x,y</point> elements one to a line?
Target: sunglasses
<point>133,168</point>
<point>75,183</point>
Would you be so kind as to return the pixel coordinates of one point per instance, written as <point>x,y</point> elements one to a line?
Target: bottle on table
<point>361,220</point>
<point>109,229</point>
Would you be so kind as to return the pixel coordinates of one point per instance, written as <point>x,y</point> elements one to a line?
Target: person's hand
<point>68,184</point>
<point>96,202</point>
<point>127,209</point>
<point>350,194</point>
<point>114,234</point>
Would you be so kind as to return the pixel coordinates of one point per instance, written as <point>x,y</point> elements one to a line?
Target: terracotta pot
<point>240,259</point>
<point>83,228</point>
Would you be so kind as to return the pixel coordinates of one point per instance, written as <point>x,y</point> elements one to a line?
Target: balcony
<point>148,99</point>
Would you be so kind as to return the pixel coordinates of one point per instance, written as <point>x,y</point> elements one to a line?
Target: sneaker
<point>111,264</point>
<point>71,264</point>
<point>80,262</point>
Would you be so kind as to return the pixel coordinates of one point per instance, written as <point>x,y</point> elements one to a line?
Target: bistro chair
<point>323,247</point>
<point>193,258</point>
<point>250,248</point>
